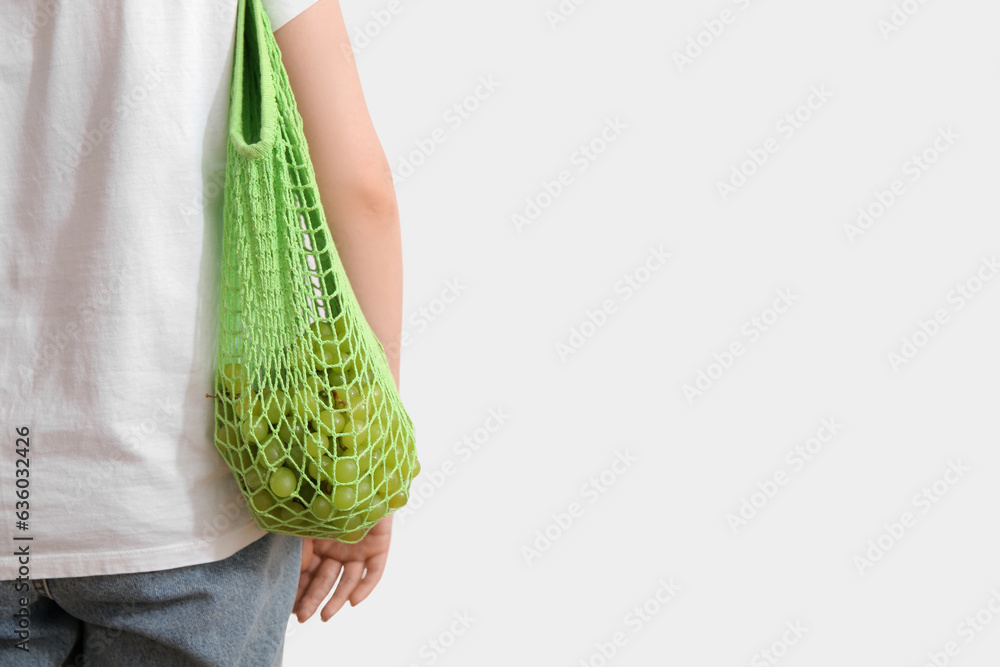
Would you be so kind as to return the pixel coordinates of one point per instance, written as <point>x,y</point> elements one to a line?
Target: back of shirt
<point>112,155</point>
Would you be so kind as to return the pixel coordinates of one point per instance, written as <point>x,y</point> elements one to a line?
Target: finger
<point>348,580</point>
<point>307,553</point>
<point>373,573</point>
<point>304,580</point>
<point>319,587</point>
<point>306,569</point>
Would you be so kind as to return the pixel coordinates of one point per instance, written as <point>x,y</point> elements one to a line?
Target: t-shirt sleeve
<point>281,12</point>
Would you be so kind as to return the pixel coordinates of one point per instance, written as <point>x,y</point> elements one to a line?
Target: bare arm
<point>352,172</point>
<point>355,186</point>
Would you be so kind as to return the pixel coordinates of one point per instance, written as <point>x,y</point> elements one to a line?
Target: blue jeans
<point>230,612</point>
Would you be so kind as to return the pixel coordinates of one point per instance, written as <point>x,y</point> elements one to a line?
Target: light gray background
<point>663,518</point>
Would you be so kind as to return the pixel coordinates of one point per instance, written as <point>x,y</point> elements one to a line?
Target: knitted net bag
<point>307,413</point>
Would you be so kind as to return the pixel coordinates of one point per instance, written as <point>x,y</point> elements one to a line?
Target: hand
<point>324,560</point>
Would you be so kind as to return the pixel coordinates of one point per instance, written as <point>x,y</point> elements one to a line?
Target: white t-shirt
<point>113,135</point>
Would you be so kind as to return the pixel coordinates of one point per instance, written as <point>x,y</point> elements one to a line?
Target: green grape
<point>316,443</point>
<point>398,500</point>
<point>354,536</point>
<point>377,511</point>
<point>364,491</point>
<point>277,405</point>
<point>416,467</point>
<point>353,397</point>
<point>344,497</point>
<point>291,433</point>
<point>258,403</point>
<point>298,455</point>
<point>368,457</point>
<point>378,474</point>
<point>322,330</point>
<point>292,514</point>
<point>352,438</point>
<point>339,422</point>
<point>232,379</point>
<point>346,524</point>
<point>359,413</point>
<point>404,468</point>
<point>344,345</point>
<point>395,454</point>
<point>371,435</point>
<point>322,507</point>
<point>226,411</point>
<point>306,406</point>
<point>285,432</point>
<point>242,405</point>
<point>263,500</point>
<point>245,458</point>
<point>354,522</point>
<point>335,377</point>
<point>325,423</point>
<point>346,471</point>
<point>356,404</point>
<point>324,470</point>
<point>253,480</point>
<point>313,384</point>
<point>228,435</point>
<point>307,491</point>
<point>327,354</point>
<point>376,394</point>
<point>283,482</point>
<point>340,520</point>
<point>271,452</point>
<point>340,326</point>
<point>256,432</point>
<point>284,514</point>
<point>393,484</point>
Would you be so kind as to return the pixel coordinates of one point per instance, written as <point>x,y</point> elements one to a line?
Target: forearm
<point>367,236</point>
<point>352,172</point>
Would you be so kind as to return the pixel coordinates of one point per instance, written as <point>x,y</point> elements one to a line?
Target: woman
<point>132,544</point>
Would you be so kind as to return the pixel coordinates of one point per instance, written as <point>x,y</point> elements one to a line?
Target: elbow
<point>373,196</point>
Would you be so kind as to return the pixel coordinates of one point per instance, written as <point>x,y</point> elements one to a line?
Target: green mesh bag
<point>307,413</point>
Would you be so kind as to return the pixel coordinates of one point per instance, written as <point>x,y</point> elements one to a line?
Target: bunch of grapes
<point>327,455</point>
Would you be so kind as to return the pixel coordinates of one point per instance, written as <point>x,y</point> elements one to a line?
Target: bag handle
<point>252,84</point>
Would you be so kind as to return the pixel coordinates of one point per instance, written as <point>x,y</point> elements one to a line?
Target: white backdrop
<point>702,332</point>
